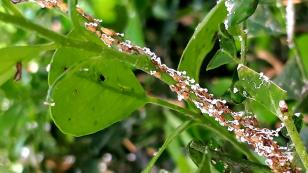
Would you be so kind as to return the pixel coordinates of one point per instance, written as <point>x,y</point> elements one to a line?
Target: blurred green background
<point>31,143</point>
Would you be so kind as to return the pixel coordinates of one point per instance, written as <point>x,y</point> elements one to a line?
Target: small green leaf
<point>202,41</point>
<point>95,94</point>
<point>222,57</point>
<point>226,41</point>
<point>240,11</point>
<point>260,89</point>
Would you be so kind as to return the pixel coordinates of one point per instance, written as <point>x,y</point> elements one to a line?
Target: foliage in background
<point>32,143</point>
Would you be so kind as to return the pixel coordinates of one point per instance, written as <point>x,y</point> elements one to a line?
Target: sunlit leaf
<point>91,92</point>
<point>93,95</point>
<point>260,89</point>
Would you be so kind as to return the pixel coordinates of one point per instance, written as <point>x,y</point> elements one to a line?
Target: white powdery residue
<point>98,20</point>
<point>180,97</point>
<point>192,81</point>
<point>50,103</point>
<point>282,104</point>
<point>230,128</point>
<point>120,34</point>
<point>235,90</point>
<point>263,77</point>
<point>92,24</point>
<point>245,93</point>
<point>229,5</point>
<point>239,66</point>
<point>195,87</point>
<point>214,101</point>
<point>152,72</point>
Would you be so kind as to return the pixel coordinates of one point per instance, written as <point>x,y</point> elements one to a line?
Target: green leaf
<point>261,89</point>
<point>266,20</point>
<point>291,80</point>
<point>240,11</point>
<point>227,41</point>
<point>95,94</point>
<point>133,29</point>
<point>219,86</point>
<point>91,91</point>
<point>9,56</point>
<point>263,115</point>
<point>302,47</point>
<point>64,59</point>
<point>221,57</point>
<point>202,41</point>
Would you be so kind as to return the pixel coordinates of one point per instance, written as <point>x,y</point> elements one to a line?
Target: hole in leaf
<point>101,78</point>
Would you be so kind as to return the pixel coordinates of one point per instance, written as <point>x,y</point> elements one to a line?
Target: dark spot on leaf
<point>101,78</point>
<point>65,68</point>
<point>75,92</point>
<point>18,73</point>
<point>69,119</point>
<point>95,123</point>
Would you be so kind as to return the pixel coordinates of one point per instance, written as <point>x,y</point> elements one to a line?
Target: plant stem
<point>168,140</point>
<point>9,5</point>
<point>295,137</point>
<point>243,44</point>
<point>226,136</point>
<point>50,35</point>
<point>206,122</point>
<point>226,158</point>
<point>166,104</point>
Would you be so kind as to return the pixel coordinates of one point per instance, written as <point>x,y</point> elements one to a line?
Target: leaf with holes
<point>93,95</point>
<point>91,91</point>
<point>261,89</point>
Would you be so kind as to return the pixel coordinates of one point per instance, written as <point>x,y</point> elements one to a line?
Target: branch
<point>168,140</point>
